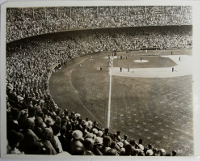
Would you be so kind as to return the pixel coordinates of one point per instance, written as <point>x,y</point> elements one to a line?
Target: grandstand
<point>59,102</point>
<point>27,22</point>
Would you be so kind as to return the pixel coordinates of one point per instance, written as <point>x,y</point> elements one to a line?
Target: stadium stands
<point>27,22</point>
<point>31,112</point>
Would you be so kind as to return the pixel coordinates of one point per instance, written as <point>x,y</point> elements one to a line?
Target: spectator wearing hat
<point>88,144</point>
<point>106,144</point>
<point>98,143</point>
<point>100,133</point>
<point>122,151</point>
<point>95,131</point>
<point>47,136</point>
<point>76,140</point>
<point>14,139</point>
<point>77,115</point>
<point>89,135</point>
<point>149,152</point>
<point>162,152</point>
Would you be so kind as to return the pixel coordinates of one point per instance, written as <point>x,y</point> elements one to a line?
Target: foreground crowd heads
<point>27,22</point>
<point>43,130</point>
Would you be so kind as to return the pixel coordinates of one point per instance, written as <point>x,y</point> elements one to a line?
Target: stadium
<point>99,80</point>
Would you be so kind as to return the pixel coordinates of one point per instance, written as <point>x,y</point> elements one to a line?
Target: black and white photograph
<point>98,80</point>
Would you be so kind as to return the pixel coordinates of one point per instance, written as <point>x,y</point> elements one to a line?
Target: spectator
<point>47,136</point>
<point>88,144</point>
<point>106,144</point>
<point>55,141</point>
<point>76,141</point>
<point>63,140</point>
<point>98,143</point>
<point>14,138</point>
<point>174,153</point>
<point>13,121</point>
<point>29,136</point>
<point>128,150</point>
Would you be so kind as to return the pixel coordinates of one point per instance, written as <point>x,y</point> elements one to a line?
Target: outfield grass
<point>157,110</point>
<point>66,96</point>
<point>153,62</point>
<point>93,86</point>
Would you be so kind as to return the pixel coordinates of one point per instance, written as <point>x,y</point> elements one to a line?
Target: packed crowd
<point>35,124</point>
<point>38,129</point>
<point>27,22</point>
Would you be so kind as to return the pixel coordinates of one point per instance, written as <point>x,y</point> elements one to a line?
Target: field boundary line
<point>109,100</point>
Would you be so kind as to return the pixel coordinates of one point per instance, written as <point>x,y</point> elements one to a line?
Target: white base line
<point>109,100</point>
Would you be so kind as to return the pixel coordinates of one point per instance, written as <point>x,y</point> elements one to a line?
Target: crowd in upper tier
<point>27,22</point>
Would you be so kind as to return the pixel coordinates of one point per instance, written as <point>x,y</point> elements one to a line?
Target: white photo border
<point>195,68</point>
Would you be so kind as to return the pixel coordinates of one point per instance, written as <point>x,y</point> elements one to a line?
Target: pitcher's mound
<point>141,61</point>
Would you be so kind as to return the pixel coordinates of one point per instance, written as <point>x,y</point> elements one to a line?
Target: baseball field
<point>143,105</point>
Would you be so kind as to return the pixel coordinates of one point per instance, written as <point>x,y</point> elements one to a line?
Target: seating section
<point>27,22</point>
